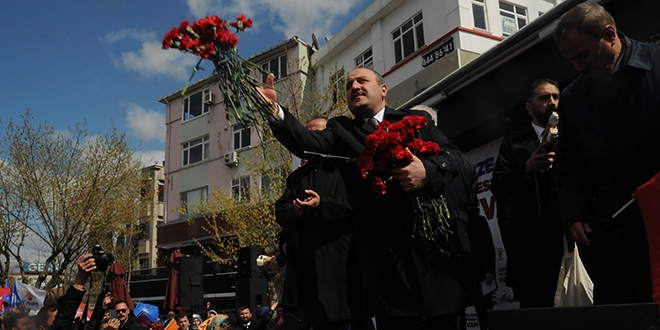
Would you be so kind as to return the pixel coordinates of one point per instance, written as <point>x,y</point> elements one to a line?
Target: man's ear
<point>609,33</point>
<point>528,107</point>
<point>383,91</point>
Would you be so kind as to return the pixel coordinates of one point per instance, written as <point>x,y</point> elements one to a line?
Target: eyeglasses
<point>122,311</point>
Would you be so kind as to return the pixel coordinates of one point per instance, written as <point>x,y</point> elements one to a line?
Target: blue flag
<point>15,297</point>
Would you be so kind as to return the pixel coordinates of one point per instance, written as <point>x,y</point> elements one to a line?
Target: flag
<point>15,298</point>
<point>5,299</point>
<point>81,310</point>
<point>172,325</point>
<point>30,297</point>
<point>647,198</point>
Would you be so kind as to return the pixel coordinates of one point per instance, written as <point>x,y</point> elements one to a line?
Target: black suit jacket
<point>318,282</point>
<point>527,213</point>
<point>399,277</point>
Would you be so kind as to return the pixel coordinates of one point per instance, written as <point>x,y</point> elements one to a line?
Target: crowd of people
<point>353,259</point>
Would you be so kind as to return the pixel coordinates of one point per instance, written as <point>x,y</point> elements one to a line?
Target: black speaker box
<point>247,263</point>
<point>625,316</point>
<point>252,293</point>
<point>191,281</point>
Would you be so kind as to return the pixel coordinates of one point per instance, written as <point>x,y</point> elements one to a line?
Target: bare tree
<point>69,189</point>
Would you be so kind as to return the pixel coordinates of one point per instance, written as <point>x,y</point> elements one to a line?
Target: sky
<point>100,63</point>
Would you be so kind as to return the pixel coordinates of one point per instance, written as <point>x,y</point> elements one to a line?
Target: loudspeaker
<point>624,316</point>
<point>191,281</point>
<point>247,263</point>
<point>252,293</point>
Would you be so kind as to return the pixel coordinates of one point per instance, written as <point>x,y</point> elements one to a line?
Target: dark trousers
<point>617,260</point>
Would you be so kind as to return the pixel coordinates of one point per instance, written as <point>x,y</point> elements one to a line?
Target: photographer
<point>62,316</point>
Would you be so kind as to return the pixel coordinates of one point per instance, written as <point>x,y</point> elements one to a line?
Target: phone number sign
<point>438,51</point>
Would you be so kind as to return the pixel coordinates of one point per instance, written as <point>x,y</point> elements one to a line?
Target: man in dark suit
<point>405,284</point>
<point>527,203</point>
<point>321,274</point>
<point>609,126</point>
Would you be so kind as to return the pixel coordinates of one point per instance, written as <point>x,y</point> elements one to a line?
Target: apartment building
<point>205,152</point>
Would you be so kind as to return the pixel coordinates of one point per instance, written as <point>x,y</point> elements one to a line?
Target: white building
<point>416,43</point>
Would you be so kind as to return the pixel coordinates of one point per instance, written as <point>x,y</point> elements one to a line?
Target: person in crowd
<point>127,320</point>
<point>20,321</point>
<point>277,322</point>
<point>196,321</point>
<point>61,316</point>
<point>182,321</point>
<point>609,124</point>
<point>527,203</point>
<point>404,283</point>
<point>248,322</point>
<point>169,316</point>
<point>314,210</point>
<point>46,316</point>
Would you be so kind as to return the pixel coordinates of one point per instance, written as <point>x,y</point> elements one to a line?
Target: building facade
<point>152,216</point>
<point>205,152</point>
<point>417,43</point>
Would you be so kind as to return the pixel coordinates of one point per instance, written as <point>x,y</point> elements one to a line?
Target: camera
<point>102,259</point>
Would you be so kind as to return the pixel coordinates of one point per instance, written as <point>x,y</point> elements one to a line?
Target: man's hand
<point>489,278</point>
<point>539,160</point>
<point>86,265</point>
<point>307,205</point>
<point>412,177</point>
<point>578,232</point>
<point>269,94</point>
<point>107,300</point>
<point>113,324</point>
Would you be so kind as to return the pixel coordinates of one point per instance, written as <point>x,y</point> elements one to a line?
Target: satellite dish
<point>315,41</point>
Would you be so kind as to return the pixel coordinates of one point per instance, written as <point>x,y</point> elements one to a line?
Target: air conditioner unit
<point>209,98</point>
<point>231,159</point>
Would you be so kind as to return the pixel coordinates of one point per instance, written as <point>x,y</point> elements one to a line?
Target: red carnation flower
<point>242,23</point>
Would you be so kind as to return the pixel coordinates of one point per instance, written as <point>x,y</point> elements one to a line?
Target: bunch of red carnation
<point>206,36</point>
<point>393,145</point>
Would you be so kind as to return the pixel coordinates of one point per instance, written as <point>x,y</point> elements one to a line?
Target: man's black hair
<point>537,83</point>
<point>41,319</point>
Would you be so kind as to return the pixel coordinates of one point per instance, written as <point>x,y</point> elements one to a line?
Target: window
<point>240,189</point>
<point>513,18</point>
<point>193,105</point>
<point>276,66</point>
<point>408,38</point>
<point>338,85</point>
<point>195,150</point>
<point>161,191</point>
<point>365,60</point>
<point>479,14</point>
<point>192,197</point>
<point>241,137</point>
<point>144,264</point>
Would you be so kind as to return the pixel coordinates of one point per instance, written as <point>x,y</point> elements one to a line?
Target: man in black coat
<point>608,148</point>
<point>404,284</point>
<point>127,319</point>
<point>322,267</point>
<point>527,203</point>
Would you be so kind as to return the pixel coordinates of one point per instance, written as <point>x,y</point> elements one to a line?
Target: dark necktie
<point>372,122</point>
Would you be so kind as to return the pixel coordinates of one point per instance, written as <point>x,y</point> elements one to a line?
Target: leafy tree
<point>70,191</point>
